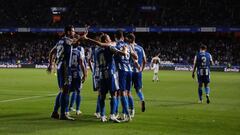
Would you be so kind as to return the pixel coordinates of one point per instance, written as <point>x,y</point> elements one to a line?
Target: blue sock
<point>113,105</point>
<point>67,103</point>
<point>63,103</point>
<point>140,94</point>
<point>73,98</point>
<point>102,105</point>
<point>57,102</point>
<point>207,91</point>
<point>98,104</point>
<point>200,93</point>
<point>124,100</point>
<point>78,101</point>
<point>131,103</point>
<point>117,104</point>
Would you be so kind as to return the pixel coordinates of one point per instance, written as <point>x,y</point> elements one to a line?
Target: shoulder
<point>113,44</point>
<point>208,53</point>
<point>140,47</point>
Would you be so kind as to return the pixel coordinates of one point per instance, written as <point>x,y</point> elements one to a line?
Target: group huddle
<point>115,65</point>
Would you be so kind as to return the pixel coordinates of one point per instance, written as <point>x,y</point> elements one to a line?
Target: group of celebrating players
<point>115,65</point>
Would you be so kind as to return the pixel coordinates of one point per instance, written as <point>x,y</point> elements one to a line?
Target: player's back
<point>64,51</point>
<point>203,62</point>
<point>141,54</point>
<point>76,70</point>
<point>123,62</point>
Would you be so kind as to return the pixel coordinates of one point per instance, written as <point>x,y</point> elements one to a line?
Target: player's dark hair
<point>131,36</point>
<point>119,34</point>
<point>203,47</point>
<point>68,28</point>
<point>103,38</point>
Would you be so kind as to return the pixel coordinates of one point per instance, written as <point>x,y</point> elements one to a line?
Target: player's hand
<point>193,75</point>
<point>49,69</point>
<point>141,69</point>
<point>84,78</point>
<point>125,50</point>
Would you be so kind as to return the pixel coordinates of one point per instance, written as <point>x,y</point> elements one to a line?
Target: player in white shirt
<point>155,63</point>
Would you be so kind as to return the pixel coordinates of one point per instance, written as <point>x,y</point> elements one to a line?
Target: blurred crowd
<point>181,48</point>
<point>33,13</point>
<point>16,50</point>
<point>176,48</point>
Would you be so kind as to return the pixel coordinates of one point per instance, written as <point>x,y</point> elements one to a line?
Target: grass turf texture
<point>172,107</point>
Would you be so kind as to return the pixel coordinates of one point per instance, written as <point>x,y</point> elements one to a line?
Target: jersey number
<point>75,60</point>
<point>204,60</point>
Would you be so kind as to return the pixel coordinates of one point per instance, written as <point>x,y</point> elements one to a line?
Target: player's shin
<point>200,93</point>
<point>117,104</point>
<point>131,102</point>
<point>73,98</point>
<point>140,94</point>
<point>67,105</point>
<point>207,91</point>
<point>98,104</point>
<point>102,104</point>
<point>63,103</point>
<point>78,101</point>
<point>124,100</point>
<point>57,102</point>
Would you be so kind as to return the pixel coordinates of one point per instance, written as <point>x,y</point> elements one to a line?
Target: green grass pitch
<point>27,97</point>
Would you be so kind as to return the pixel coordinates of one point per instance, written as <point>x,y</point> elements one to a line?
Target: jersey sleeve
<point>210,56</point>
<point>113,49</point>
<point>143,53</point>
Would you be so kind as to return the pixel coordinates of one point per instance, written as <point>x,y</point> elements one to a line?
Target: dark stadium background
<point>175,28</point>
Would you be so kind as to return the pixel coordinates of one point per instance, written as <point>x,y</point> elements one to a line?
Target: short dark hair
<point>131,36</point>
<point>103,37</point>
<point>68,28</point>
<point>203,47</point>
<point>119,34</point>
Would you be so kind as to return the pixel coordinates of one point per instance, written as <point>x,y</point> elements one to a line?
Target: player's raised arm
<point>194,67</point>
<point>98,43</point>
<point>90,63</point>
<point>52,53</point>
<point>84,69</point>
<point>114,50</point>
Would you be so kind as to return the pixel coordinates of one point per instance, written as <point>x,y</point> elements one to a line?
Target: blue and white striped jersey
<point>203,61</point>
<point>141,55</point>
<point>123,62</point>
<point>64,52</point>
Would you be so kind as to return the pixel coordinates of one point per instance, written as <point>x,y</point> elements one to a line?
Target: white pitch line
<point>32,97</point>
